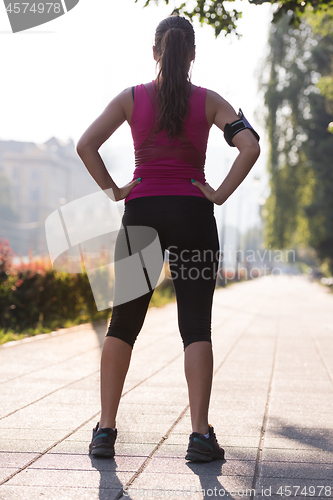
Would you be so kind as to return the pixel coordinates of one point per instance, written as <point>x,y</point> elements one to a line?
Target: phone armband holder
<point>231,129</point>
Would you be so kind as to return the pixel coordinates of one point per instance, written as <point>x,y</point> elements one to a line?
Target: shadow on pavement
<point>209,474</point>
<point>110,486</point>
<point>320,438</point>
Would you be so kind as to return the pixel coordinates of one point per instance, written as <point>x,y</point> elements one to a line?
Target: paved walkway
<point>271,405</point>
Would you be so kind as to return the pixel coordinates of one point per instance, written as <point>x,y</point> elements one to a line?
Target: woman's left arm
<point>222,113</point>
<point>116,112</point>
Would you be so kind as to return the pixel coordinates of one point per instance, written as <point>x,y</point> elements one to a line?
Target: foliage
<point>6,256</point>
<point>322,25</point>
<point>296,9</point>
<point>34,298</point>
<point>300,206</point>
<point>164,293</point>
<point>215,14</point>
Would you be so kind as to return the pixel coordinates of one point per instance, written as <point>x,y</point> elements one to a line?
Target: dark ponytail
<point>174,43</point>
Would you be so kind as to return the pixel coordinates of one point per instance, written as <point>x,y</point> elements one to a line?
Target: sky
<point>58,77</point>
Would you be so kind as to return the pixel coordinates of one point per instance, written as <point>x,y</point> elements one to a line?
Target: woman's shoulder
<point>212,96</point>
<point>215,100</point>
<point>219,109</point>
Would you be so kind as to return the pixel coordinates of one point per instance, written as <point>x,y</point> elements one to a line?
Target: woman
<point>170,120</point>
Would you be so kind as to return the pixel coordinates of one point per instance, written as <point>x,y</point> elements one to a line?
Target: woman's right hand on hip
<point>123,192</point>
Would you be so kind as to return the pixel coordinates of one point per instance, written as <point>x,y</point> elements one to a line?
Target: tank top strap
<point>151,91</point>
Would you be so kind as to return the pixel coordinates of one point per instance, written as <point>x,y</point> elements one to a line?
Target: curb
<point>55,333</point>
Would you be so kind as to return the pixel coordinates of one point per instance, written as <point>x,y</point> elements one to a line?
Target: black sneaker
<point>102,443</point>
<point>202,449</point>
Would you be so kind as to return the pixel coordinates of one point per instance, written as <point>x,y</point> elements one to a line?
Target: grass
<point>9,336</point>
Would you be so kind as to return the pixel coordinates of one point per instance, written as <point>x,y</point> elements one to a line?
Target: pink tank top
<point>167,167</point>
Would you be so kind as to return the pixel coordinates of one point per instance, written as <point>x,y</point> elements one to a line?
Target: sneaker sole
<point>102,452</point>
<point>195,456</point>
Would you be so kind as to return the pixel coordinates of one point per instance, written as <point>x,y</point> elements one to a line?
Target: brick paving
<point>271,404</point>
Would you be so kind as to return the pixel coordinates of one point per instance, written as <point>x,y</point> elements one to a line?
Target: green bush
<point>30,300</point>
<point>34,298</point>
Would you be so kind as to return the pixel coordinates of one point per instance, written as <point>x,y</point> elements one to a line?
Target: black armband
<point>231,129</point>
<point>133,93</point>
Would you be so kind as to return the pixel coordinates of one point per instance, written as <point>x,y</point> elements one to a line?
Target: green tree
<point>220,18</point>
<point>322,25</point>
<point>300,206</point>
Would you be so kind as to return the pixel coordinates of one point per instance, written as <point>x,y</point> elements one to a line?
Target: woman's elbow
<point>81,147</point>
<point>253,151</point>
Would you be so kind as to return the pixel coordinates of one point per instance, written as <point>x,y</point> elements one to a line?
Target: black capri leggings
<point>186,227</point>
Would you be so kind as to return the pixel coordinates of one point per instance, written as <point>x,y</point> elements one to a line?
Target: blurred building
<point>42,177</point>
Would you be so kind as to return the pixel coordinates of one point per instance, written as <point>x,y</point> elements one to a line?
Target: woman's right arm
<point>116,112</point>
<point>219,112</point>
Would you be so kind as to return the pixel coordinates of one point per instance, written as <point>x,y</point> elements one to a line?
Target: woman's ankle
<point>201,429</point>
<point>103,424</point>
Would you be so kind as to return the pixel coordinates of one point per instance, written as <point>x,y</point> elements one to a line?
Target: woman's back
<point>166,165</point>
<point>190,147</point>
